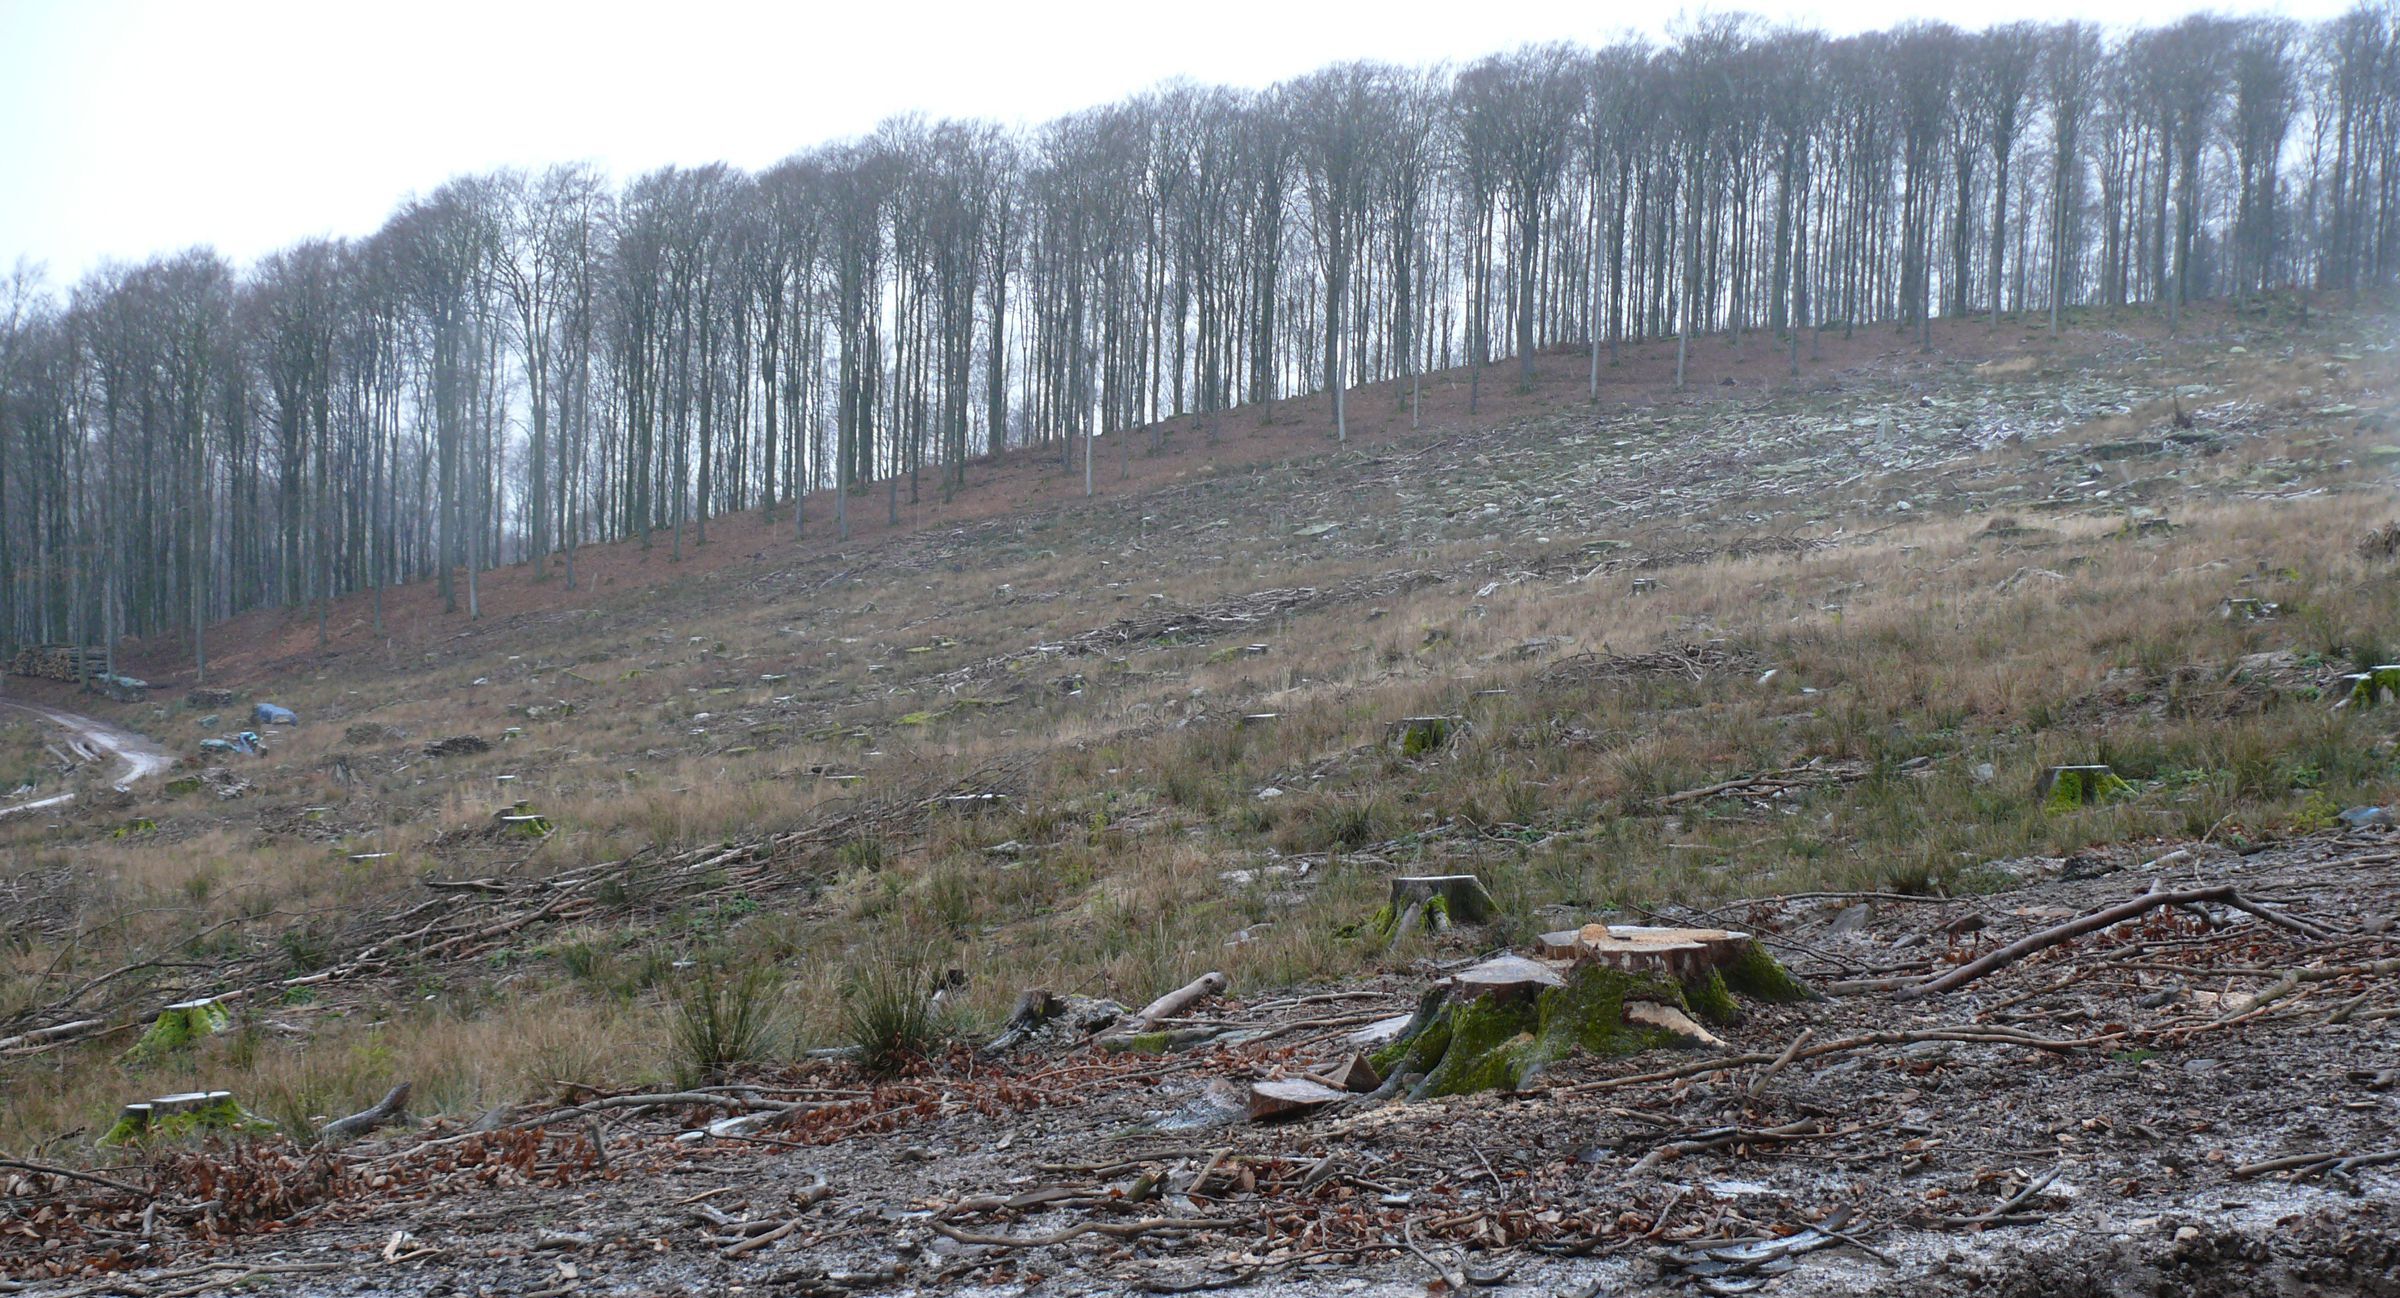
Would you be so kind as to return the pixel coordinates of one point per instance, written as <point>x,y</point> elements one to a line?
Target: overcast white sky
<point>132,127</point>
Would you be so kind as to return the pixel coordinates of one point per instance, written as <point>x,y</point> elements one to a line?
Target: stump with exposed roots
<point>1601,990</point>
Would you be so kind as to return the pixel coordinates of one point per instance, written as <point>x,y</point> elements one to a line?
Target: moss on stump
<point>176,1028</point>
<point>1470,1036</point>
<point>174,1117</point>
<point>1761,977</point>
<point>2067,788</point>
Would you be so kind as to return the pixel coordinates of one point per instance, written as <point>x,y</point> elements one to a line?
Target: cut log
<point>1290,1099</point>
<point>1506,976</point>
<point>1184,997</point>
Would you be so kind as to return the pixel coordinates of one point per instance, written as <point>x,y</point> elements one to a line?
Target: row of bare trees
<point>519,364</point>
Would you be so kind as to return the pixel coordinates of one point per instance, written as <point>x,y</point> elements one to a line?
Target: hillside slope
<point>1783,655</point>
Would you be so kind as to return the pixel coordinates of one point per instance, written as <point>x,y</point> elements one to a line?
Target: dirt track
<point>140,758</point>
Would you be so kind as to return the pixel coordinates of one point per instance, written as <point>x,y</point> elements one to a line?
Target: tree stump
<point>1609,991</point>
<point>2064,788</point>
<point>177,1027</point>
<point>1434,902</point>
<point>2372,686</point>
<point>1415,736</point>
<point>173,1116</point>
<point>1640,948</point>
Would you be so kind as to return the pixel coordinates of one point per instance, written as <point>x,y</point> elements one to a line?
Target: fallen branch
<point>1782,1061</point>
<point>2224,894</point>
<point>2304,1166</point>
<point>43,1036</point>
<point>391,1108</point>
<point>1805,1129</point>
<point>44,1169</point>
<point>2006,1214</point>
<point>1117,1230</point>
<point>2298,978</point>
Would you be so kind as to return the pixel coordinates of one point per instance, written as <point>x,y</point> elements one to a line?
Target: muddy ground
<point>2133,1134</point>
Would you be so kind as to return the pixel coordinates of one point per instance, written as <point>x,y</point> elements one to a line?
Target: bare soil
<point>2144,1098</point>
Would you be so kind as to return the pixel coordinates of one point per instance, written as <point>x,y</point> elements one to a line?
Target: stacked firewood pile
<point>59,662</point>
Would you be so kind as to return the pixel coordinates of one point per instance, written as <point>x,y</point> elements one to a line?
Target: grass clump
<point>721,1019</point>
<point>889,1016</point>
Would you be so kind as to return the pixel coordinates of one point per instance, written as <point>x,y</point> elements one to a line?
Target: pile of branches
<point>1691,661</point>
<point>467,918</point>
<point>1234,613</point>
<point>2382,543</point>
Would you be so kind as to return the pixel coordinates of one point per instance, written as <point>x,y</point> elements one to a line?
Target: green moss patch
<point>179,1117</point>
<point>1500,1042</point>
<point>1711,1001</point>
<point>176,1028</point>
<point>2068,788</point>
<point>1759,976</point>
<point>1460,1043</point>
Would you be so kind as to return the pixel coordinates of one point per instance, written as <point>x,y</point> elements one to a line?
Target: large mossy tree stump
<point>177,1027</point>
<point>171,1117</point>
<point>1606,992</point>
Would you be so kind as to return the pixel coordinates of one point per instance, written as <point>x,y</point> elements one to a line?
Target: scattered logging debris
<point>1694,662</point>
<point>1706,1153</point>
<point>1768,785</point>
